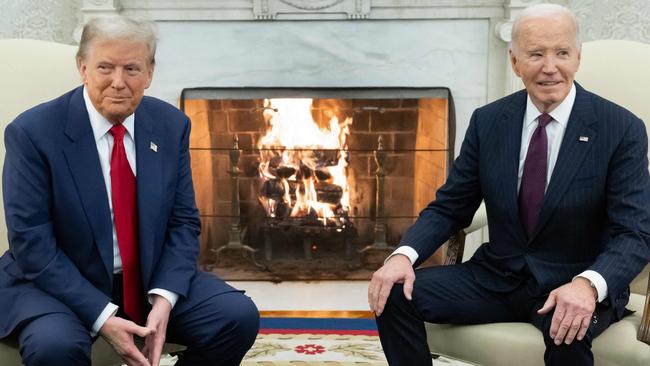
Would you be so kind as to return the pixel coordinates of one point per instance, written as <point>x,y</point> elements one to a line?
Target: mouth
<point>118,99</point>
<point>548,83</point>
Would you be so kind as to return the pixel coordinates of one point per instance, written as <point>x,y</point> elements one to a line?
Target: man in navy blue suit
<point>564,177</point>
<point>103,226</point>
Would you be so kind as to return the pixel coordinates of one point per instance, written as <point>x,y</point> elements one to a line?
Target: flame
<point>297,156</point>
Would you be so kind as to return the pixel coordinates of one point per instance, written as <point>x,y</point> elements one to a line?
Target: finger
<point>134,357</point>
<point>548,305</point>
<point>563,329</point>
<point>408,287</point>
<point>384,292</point>
<point>586,322</point>
<point>371,291</point>
<point>375,297</point>
<point>141,332</point>
<point>558,316</point>
<point>156,352</point>
<point>574,328</point>
<point>146,348</point>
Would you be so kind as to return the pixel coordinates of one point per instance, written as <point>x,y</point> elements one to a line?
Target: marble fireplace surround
<point>458,44</point>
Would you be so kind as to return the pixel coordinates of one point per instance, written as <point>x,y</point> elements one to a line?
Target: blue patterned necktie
<point>533,180</point>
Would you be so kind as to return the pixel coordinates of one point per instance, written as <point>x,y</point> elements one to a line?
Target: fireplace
<point>325,178</point>
<point>343,44</point>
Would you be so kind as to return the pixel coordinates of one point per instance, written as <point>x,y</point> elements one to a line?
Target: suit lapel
<point>149,181</point>
<point>511,128</point>
<point>571,155</point>
<point>84,165</point>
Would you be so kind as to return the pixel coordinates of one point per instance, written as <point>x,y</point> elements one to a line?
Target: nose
<point>117,81</point>
<point>549,66</point>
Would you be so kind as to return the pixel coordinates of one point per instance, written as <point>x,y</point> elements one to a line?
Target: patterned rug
<point>318,339</point>
<point>349,339</point>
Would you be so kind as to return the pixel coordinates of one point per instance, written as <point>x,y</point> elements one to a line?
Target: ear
<point>83,69</point>
<point>150,69</point>
<point>514,62</point>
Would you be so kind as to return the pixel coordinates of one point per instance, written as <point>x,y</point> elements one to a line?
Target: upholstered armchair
<point>619,71</point>
<point>33,72</point>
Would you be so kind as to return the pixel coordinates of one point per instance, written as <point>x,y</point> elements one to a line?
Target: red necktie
<point>533,180</point>
<point>125,217</point>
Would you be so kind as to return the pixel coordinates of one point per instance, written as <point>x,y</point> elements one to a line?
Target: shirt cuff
<point>409,252</point>
<point>597,281</point>
<point>108,311</point>
<point>168,295</point>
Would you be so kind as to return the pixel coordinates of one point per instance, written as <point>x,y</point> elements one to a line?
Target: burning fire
<point>303,165</point>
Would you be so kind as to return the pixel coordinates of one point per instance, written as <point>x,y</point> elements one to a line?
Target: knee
<point>244,321</point>
<point>239,323</point>
<point>396,299</point>
<point>567,353</point>
<point>54,348</point>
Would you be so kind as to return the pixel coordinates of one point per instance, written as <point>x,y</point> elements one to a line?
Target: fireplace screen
<point>313,183</point>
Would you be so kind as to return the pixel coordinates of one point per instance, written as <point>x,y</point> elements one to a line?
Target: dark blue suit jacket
<point>596,211</point>
<point>58,218</point>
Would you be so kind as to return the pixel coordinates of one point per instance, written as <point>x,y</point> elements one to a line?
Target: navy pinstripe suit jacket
<point>596,211</point>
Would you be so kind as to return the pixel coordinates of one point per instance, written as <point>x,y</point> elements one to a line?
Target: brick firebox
<point>417,134</point>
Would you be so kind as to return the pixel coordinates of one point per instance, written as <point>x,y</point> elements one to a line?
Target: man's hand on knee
<point>397,269</point>
<point>119,332</point>
<point>574,305</point>
<point>158,319</point>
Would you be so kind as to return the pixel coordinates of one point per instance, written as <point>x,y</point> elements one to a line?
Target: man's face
<point>116,73</point>
<point>546,58</point>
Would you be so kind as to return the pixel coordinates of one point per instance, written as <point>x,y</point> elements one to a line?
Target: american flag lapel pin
<point>153,147</point>
<point>583,139</point>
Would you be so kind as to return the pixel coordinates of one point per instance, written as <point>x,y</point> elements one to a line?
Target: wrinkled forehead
<point>558,29</point>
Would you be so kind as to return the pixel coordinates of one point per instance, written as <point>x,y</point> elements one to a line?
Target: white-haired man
<point>103,226</point>
<point>564,177</point>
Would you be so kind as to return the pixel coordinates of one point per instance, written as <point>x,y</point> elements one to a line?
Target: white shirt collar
<point>100,124</point>
<point>560,114</point>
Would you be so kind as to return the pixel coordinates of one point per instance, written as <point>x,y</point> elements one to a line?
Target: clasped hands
<point>574,302</point>
<point>119,333</point>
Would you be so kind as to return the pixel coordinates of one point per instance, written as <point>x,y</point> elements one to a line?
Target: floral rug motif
<point>335,341</point>
<point>357,349</point>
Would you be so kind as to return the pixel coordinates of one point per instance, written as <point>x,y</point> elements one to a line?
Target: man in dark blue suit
<point>564,177</point>
<point>95,250</point>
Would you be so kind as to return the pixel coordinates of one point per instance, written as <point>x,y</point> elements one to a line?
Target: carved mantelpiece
<point>305,9</point>
<point>351,9</point>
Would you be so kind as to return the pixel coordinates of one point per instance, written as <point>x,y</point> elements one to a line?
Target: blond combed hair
<point>116,28</point>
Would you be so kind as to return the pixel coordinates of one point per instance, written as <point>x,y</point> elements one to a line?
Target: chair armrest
<point>644,327</point>
<point>478,221</point>
<point>456,243</point>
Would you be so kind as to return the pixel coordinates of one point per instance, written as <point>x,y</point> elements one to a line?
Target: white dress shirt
<point>554,132</point>
<point>104,141</point>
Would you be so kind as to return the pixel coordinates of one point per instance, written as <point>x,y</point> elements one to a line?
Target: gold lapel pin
<point>153,147</point>
<point>583,138</point>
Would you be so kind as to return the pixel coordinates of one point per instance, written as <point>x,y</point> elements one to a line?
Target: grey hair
<point>543,11</point>
<point>118,27</point>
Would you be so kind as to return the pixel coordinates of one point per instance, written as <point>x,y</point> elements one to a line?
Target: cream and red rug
<point>320,339</point>
<point>314,338</point>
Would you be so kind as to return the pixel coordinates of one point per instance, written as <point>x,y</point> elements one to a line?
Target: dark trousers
<point>450,295</point>
<point>216,331</point>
